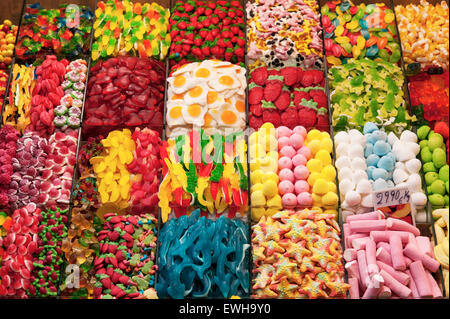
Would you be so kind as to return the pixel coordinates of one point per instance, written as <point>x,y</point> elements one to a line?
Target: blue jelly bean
<point>344,6</point>
<point>372,51</point>
<point>335,22</point>
<point>365,34</point>
<point>329,35</point>
<point>363,24</point>
<point>379,173</point>
<point>368,150</point>
<point>370,127</point>
<point>381,148</point>
<point>386,162</point>
<point>372,160</point>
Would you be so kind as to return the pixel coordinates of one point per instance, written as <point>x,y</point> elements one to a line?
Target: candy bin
<point>137,28</point>
<point>222,272</point>
<point>375,160</point>
<point>297,255</point>
<point>8,33</point>
<point>208,95</point>
<point>64,30</point>
<point>282,34</point>
<point>206,172</point>
<point>202,30</point>
<point>291,169</point>
<point>423,26</point>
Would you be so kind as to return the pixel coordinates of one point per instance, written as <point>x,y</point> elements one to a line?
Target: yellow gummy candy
<point>342,40</point>
<point>100,167</point>
<point>356,51</point>
<point>352,25</point>
<point>339,30</point>
<point>115,194</point>
<point>360,42</point>
<point>104,197</point>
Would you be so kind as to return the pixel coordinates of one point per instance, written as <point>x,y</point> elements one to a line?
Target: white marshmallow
<point>354,133</point>
<point>408,136</point>
<point>414,183</point>
<point>344,173</point>
<point>418,199</point>
<point>364,187</point>
<point>343,161</point>
<point>358,139</point>
<point>356,150</point>
<point>364,210</point>
<point>345,186</point>
<point>353,198</point>
<point>405,154</point>
<point>342,149</point>
<point>392,138</point>
<point>400,165</point>
<point>414,147</point>
<point>359,163</point>
<point>413,166</point>
<point>400,176</point>
<point>367,201</point>
<point>390,184</point>
<point>402,185</point>
<point>341,137</point>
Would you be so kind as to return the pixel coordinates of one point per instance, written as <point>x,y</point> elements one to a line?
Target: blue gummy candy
<point>370,127</point>
<point>386,162</point>
<point>379,173</point>
<point>372,160</point>
<point>381,148</point>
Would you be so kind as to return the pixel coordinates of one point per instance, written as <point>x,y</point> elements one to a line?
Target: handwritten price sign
<point>391,197</point>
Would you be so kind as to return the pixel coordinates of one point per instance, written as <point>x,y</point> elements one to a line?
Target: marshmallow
<point>413,166</point>
<point>400,176</point>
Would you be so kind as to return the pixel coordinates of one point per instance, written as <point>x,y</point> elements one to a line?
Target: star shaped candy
<point>337,288</point>
<point>272,246</point>
<point>322,228</point>
<point>273,231</point>
<point>267,292</point>
<point>258,253</point>
<point>285,289</point>
<point>262,280</point>
<point>312,288</point>
<point>283,267</point>
<point>322,257</point>
<point>296,251</point>
<point>307,265</point>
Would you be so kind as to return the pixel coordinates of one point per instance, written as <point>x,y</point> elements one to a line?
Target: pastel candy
<point>288,151</point>
<point>418,198</point>
<point>346,185</point>
<point>343,149</point>
<point>305,151</point>
<point>301,186</point>
<point>342,162</point>
<point>300,130</point>
<point>289,200</point>
<point>381,148</point>
<point>364,187</point>
<point>304,199</point>
<point>358,163</point>
<point>379,184</point>
<point>386,162</point>
<point>285,187</point>
<point>367,201</point>
<point>408,136</point>
<point>301,172</point>
<point>372,160</point>
<point>414,182</point>
<point>368,150</point>
<point>341,137</point>
<point>353,198</point>
<point>370,127</point>
<point>359,175</point>
<point>358,139</point>
<point>284,162</point>
<point>283,141</point>
<point>345,172</point>
<point>413,165</point>
<point>286,174</point>
<point>283,131</point>
<point>392,138</point>
<point>370,171</point>
<point>356,151</point>
<point>299,159</point>
<point>400,176</point>
<point>379,173</point>
<point>296,140</point>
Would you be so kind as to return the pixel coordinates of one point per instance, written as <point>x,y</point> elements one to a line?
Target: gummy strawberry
<point>290,75</point>
<point>273,87</point>
<point>256,109</point>
<point>307,117</point>
<point>283,100</point>
<point>255,122</point>
<point>272,116</point>
<point>290,117</point>
<point>255,94</point>
<point>299,96</point>
<point>259,76</point>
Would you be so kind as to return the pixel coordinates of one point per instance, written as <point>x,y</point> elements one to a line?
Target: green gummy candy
<point>435,141</point>
<point>439,157</point>
<point>438,187</point>
<point>423,144</point>
<point>430,177</point>
<point>426,155</point>
<point>429,167</point>
<point>443,173</point>
<point>437,200</point>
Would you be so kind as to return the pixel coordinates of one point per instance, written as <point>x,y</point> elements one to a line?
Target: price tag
<point>391,197</point>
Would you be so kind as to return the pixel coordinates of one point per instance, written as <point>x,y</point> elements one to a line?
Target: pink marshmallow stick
<point>354,288</point>
<point>346,230</point>
<point>376,215</point>
<point>364,226</point>
<point>412,286</point>
<point>384,245</point>
<point>401,277</point>
<point>385,235</point>
<point>374,287</point>
<point>415,254</point>
<point>360,243</point>
<point>408,261</point>
<point>396,287</point>
<point>401,225</point>
<point>352,237</point>
<point>353,271</point>
<point>419,276</point>
<point>371,247</point>
<point>349,254</point>
<point>437,293</point>
<point>362,265</point>
<point>384,293</point>
<point>346,214</point>
<point>398,261</point>
<point>424,245</point>
<point>383,255</point>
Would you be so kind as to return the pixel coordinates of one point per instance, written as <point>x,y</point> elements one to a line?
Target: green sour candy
<point>426,155</point>
<point>423,131</point>
<point>439,157</point>
<point>437,200</point>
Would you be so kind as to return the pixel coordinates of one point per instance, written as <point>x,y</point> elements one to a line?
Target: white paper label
<point>391,197</point>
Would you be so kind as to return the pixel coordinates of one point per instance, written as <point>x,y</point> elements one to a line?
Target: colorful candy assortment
<point>8,33</point>
<point>202,30</point>
<point>423,32</point>
<point>210,94</point>
<point>68,113</point>
<point>282,33</point>
<point>297,255</point>
<point>8,145</point>
<point>126,90</point>
<point>434,156</point>
<point>202,258</point>
<point>441,248</point>
<point>207,172</point>
<point>289,96</point>
<point>20,244</point>
<point>125,27</point>
<point>358,32</point>
<point>387,258</point>
<point>125,266</point>
<point>367,91</point>
<point>57,31</point>
<point>378,161</point>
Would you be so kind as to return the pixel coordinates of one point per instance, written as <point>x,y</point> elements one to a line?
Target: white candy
<point>343,161</point>
<point>342,149</point>
<point>354,133</point>
<point>402,185</point>
<point>344,173</point>
<point>358,139</point>
<point>345,186</point>
<point>356,150</point>
<point>418,199</point>
<point>400,176</point>
<point>397,146</point>
<point>380,184</point>
<point>359,175</point>
<point>367,201</point>
<point>392,138</point>
<point>414,183</point>
<point>414,147</point>
<point>400,165</point>
<point>421,217</point>
<point>408,136</point>
<point>353,198</point>
<point>390,184</point>
<point>364,187</point>
<point>359,163</point>
<point>413,166</point>
<point>341,137</point>
<point>405,154</point>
